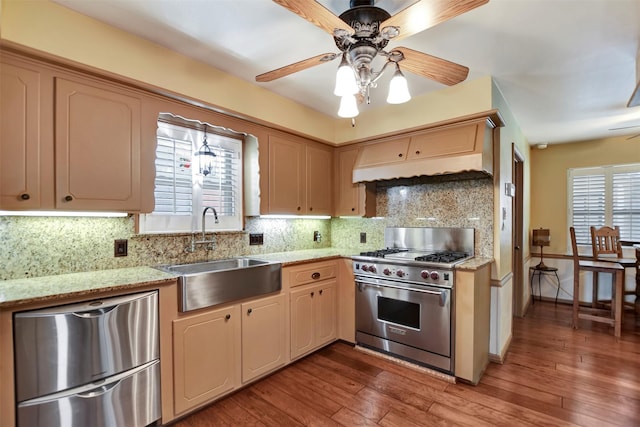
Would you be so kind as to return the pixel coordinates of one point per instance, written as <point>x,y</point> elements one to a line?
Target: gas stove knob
<point>435,275</point>
<point>386,272</point>
<point>373,269</point>
<point>424,274</point>
<point>365,267</point>
<point>400,273</point>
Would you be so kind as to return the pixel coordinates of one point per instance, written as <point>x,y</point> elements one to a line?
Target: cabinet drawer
<point>310,273</point>
<point>66,346</point>
<point>129,399</point>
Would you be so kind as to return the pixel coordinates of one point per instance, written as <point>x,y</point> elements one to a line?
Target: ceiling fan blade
<point>315,13</point>
<point>633,136</point>
<point>432,67</point>
<point>294,68</point>
<point>428,13</point>
<point>634,101</point>
<point>626,127</point>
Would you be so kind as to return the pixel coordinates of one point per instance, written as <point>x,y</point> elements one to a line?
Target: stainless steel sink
<point>206,284</point>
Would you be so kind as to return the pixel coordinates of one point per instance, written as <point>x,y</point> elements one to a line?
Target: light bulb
<point>348,106</point>
<point>398,89</point>
<point>345,80</point>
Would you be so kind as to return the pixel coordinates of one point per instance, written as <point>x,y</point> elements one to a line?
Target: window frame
<point>608,173</point>
<point>175,223</point>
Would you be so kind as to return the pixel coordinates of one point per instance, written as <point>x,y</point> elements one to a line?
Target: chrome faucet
<point>210,243</point>
<point>204,213</point>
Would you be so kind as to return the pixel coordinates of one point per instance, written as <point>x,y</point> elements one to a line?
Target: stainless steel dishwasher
<point>89,364</point>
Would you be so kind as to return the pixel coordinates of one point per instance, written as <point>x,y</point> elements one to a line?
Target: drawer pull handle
<point>315,276</point>
<point>25,196</point>
<point>227,317</point>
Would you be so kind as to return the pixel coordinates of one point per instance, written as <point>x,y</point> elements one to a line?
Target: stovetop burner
<point>381,253</point>
<point>443,257</point>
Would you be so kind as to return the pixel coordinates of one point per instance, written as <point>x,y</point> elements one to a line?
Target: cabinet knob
<point>353,209</point>
<point>312,294</point>
<point>417,151</point>
<point>68,198</point>
<point>400,155</point>
<point>227,317</point>
<point>310,209</point>
<point>315,276</point>
<point>321,291</point>
<point>25,196</point>
<point>250,311</point>
<point>299,208</point>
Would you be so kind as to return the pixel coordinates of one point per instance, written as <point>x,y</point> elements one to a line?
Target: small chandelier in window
<point>206,155</point>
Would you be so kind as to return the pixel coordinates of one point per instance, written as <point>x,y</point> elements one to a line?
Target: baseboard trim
<point>500,358</point>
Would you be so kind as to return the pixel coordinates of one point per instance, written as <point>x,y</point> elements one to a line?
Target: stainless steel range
<point>405,294</point>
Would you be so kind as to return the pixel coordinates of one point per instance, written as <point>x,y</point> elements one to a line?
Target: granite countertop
<point>38,289</point>
<point>49,288</point>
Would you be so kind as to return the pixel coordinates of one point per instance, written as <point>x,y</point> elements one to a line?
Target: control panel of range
<point>427,275</point>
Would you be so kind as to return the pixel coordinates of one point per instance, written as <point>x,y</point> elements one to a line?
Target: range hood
<point>464,146</point>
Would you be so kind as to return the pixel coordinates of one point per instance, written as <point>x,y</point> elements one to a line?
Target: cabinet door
<point>302,327</point>
<point>206,350</point>
<point>286,176</point>
<point>382,153</point>
<point>319,181</point>
<point>19,138</point>
<point>263,336</point>
<point>349,196</point>
<point>97,148</point>
<point>325,313</point>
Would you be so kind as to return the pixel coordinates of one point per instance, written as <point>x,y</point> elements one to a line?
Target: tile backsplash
<point>40,246</point>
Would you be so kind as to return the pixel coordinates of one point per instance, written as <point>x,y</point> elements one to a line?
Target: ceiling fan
<point>362,32</point>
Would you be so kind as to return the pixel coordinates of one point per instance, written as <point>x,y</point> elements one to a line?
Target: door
<point>520,291</point>
<point>97,148</point>
<point>206,350</point>
<point>19,138</point>
<point>326,313</point>
<point>263,332</point>
<point>287,185</point>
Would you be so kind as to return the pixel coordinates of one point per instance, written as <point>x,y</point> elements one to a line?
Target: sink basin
<point>206,284</point>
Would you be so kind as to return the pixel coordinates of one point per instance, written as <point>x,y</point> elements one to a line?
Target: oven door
<point>416,316</point>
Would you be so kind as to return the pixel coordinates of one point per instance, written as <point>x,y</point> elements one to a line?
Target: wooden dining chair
<point>606,246</point>
<point>611,317</point>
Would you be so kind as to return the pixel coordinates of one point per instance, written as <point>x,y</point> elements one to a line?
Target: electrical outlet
<point>120,247</point>
<point>317,237</point>
<point>256,239</point>
<point>363,237</point>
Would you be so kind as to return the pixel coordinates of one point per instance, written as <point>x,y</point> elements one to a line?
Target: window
<point>181,192</point>
<point>608,195</point>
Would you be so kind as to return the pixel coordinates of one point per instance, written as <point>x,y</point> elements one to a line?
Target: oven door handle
<point>362,284</point>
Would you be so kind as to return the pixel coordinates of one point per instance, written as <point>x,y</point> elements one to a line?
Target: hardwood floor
<point>553,376</point>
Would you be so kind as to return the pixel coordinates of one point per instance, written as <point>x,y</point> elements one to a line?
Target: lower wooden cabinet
<point>263,336</point>
<point>206,356</point>
<point>313,316</point>
<point>215,351</point>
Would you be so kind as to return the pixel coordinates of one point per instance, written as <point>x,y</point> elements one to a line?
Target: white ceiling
<point>566,67</point>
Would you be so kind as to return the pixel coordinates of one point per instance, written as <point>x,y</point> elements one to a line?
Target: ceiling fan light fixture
<point>345,79</point>
<point>348,106</point>
<point>398,88</point>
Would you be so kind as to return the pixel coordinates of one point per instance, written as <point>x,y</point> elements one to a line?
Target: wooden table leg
<point>618,301</point>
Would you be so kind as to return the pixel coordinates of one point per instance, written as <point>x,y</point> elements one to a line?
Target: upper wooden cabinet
<point>299,177</point>
<point>68,142</point>
<point>97,148</point>
<point>351,199</point>
<point>20,137</point>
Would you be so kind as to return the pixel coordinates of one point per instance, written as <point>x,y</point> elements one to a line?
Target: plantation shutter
<point>588,205</point>
<point>174,184</point>
<point>626,204</point>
